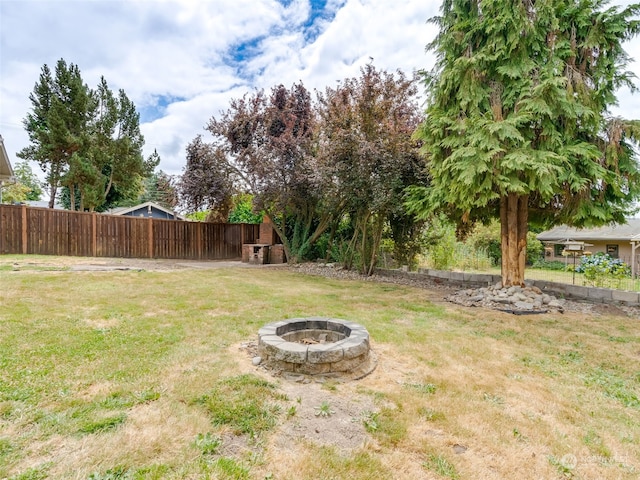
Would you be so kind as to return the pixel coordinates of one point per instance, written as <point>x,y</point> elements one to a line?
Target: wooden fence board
<point>10,229</point>
<point>61,232</point>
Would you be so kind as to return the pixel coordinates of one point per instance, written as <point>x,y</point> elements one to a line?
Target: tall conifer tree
<point>518,124</point>
<point>57,124</point>
<point>88,142</point>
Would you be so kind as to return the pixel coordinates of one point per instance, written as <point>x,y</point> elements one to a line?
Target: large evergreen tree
<point>88,142</point>
<point>518,124</point>
<point>58,123</point>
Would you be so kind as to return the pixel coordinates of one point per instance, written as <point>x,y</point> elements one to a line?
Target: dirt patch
<point>612,310</point>
<point>96,264</point>
<point>321,410</point>
<point>324,417</point>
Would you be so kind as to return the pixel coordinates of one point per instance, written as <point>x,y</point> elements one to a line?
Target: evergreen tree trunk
<point>514,217</point>
<point>72,197</point>
<point>53,189</point>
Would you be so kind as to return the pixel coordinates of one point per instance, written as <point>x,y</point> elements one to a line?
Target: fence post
<point>150,237</point>
<point>94,235</point>
<point>25,237</point>
<point>199,247</point>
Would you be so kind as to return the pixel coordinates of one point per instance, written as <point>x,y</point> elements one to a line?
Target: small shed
<point>147,209</point>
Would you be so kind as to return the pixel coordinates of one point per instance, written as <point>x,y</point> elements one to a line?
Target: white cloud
<point>184,51</point>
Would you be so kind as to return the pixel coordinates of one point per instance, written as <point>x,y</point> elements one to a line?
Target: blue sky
<point>182,61</point>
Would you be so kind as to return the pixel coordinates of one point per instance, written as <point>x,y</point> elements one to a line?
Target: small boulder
<point>523,305</point>
<point>555,303</point>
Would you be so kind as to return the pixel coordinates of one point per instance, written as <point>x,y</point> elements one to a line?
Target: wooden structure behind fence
<point>44,231</point>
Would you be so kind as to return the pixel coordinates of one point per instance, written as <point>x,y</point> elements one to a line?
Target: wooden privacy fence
<point>45,231</point>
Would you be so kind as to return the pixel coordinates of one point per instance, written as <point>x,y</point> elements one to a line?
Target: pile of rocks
<point>516,300</point>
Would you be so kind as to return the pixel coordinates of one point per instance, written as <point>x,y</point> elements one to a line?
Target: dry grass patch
<point>101,373</point>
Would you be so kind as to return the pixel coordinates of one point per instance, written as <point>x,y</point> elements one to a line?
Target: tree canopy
<point>87,141</point>
<point>26,187</point>
<point>335,166</point>
<point>367,156</point>
<point>161,188</point>
<point>518,123</point>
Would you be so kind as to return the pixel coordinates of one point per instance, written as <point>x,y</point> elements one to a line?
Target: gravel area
<point>332,270</point>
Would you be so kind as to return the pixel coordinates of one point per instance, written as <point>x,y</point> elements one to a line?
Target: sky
<point>182,61</point>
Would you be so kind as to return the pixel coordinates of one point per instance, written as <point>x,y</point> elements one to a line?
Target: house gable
<point>6,172</point>
<point>147,209</point>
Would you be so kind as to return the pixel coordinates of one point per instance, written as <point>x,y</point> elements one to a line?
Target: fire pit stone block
<point>314,345</point>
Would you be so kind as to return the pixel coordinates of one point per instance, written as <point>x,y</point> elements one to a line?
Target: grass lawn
<point>141,375</point>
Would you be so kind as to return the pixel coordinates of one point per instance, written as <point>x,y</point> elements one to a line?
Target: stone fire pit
<point>316,345</point>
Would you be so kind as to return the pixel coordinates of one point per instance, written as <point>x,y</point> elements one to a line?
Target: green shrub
<point>600,268</point>
<point>242,211</point>
<point>554,265</point>
<point>450,254</point>
<point>535,249</point>
<point>487,238</point>
<point>197,216</point>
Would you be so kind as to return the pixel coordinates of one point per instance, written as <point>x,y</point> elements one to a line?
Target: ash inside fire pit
<point>316,345</point>
<point>312,336</point>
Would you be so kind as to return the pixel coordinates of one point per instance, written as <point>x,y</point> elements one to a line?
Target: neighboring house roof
<point>6,172</point>
<point>147,206</point>
<point>43,204</point>
<point>624,232</point>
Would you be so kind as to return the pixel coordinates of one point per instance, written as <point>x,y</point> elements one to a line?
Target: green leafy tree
<point>13,192</point>
<point>242,211</point>
<point>518,124</point>
<point>28,181</point>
